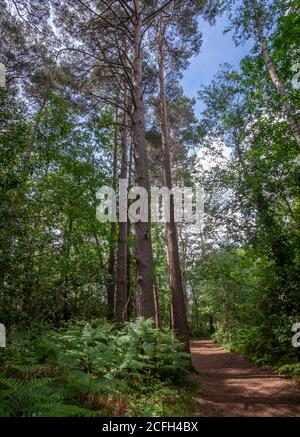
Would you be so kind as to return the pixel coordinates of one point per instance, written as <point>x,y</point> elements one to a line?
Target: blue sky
<point>217,49</point>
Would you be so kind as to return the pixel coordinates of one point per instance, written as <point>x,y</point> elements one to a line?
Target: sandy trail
<point>231,387</point>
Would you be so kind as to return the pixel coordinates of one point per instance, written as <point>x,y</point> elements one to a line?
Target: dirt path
<point>230,386</point>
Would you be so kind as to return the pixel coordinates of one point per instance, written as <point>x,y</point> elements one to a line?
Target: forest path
<point>230,386</point>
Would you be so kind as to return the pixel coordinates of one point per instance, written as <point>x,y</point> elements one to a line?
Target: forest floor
<point>230,386</point>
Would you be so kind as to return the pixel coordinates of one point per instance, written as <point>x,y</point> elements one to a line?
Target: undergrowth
<point>94,369</point>
<point>266,344</point>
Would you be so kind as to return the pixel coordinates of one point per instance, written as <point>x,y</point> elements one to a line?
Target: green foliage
<point>84,369</point>
<point>290,369</point>
<point>138,350</point>
<point>53,250</point>
<point>267,343</point>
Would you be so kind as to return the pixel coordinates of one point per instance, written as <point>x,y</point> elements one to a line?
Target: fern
<point>55,375</point>
<point>290,369</point>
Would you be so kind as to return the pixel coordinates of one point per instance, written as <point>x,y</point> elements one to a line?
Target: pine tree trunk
<point>111,262</point>
<point>130,297</point>
<point>121,295</point>
<point>179,316</point>
<point>287,105</point>
<point>143,248</point>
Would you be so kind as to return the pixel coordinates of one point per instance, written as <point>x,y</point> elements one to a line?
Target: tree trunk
<point>111,263</point>
<point>143,247</point>
<point>66,253</point>
<point>211,325</point>
<point>121,296</point>
<point>130,297</point>
<point>179,316</point>
<point>287,105</point>
<point>158,322</point>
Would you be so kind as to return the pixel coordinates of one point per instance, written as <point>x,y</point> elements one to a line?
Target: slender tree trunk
<point>66,254</point>
<point>130,297</point>
<point>158,322</point>
<point>121,296</point>
<point>143,248</point>
<point>112,249</point>
<point>183,258</point>
<point>287,105</point>
<point>175,277</point>
<point>211,325</point>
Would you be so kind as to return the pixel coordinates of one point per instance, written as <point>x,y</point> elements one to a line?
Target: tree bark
<point>121,295</point>
<point>143,247</point>
<point>111,288</point>
<point>130,298</point>
<point>287,105</point>
<point>179,316</point>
